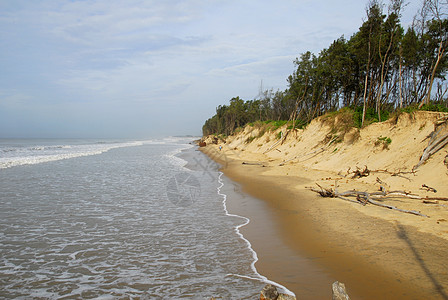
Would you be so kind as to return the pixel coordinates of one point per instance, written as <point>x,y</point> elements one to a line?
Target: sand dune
<point>410,251</point>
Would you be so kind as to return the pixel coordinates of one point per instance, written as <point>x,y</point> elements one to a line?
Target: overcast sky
<point>151,68</point>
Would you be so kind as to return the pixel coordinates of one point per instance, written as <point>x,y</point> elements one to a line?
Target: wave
<point>30,153</point>
<point>249,245</point>
<point>37,154</point>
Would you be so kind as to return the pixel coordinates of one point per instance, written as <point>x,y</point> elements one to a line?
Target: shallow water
<point>124,219</point>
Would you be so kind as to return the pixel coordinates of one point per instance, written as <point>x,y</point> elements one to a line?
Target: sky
<point>152,68</point>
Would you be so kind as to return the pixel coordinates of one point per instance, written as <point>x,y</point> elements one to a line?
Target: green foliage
<point>371,116</point>
<point>340,121</point>
<point>298,124</point>
<point>274,125</point>
<point>437,107</point>
<point>379,68</point>
<point>384,141</point>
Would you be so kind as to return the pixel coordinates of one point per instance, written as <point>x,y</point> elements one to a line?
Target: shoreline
<point>374,257</point>
<point>239,229</point>
<point>230,192</point>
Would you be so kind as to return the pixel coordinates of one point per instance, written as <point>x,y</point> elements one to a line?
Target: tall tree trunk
<point>400,79</point>
<point>433,75</point>
<point>365,83</point>
<point>364,104</point>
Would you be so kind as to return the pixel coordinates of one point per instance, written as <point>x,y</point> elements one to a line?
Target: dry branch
<point>365,197</point>
<point>358,173</point>
<point>428,188</point>
<point>252,163</point>
<point>430,202</point>
<point>283,136</point>
<point>438,140</point>
<point>441,120</point>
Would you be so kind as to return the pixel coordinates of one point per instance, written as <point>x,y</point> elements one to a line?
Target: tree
<point>380,68</point>
<point>437,33</point>
<point>390,36</point>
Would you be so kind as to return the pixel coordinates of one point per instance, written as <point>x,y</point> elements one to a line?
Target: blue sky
<point>151,68</point>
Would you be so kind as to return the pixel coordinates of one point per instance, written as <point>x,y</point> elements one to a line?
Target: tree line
<point>381,68</point>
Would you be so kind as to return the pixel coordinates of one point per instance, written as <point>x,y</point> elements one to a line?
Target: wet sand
<point>306,242</point>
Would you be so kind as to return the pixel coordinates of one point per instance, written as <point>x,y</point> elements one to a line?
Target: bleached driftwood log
<point>438,140</point>
<point>365,197</point>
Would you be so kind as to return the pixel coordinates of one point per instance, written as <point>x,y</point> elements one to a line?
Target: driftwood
<point>281,140</point>
<point>430,202</point>
<point>412,196</point>
<point>438,140</point>
<point>253,163</point>
<point>358,173</point>
<point>365,197</point>
<point>428,188</point>
<point>441,120</point>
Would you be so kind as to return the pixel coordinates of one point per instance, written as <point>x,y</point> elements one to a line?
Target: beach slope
<point>377,252</point>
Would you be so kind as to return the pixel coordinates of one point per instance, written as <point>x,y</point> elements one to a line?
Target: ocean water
<point>85,219</point>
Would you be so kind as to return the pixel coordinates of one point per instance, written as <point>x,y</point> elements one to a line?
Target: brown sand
<point>378,253</point>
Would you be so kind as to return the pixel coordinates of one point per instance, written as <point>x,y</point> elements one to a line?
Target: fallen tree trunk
<point>438,140</point>
<point>365,197</point>
<point>358,173</point>
<point>432,149</point>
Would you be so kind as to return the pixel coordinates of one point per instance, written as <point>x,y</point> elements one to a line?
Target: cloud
<point>143,61</point>
<point>13,98</point>
<point>93,23</point>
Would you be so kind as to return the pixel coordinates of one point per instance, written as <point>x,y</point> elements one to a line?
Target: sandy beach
<point>377,252</point>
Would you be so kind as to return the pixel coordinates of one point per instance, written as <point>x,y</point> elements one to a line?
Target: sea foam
<point>18,155</point>
<point>249,245</point>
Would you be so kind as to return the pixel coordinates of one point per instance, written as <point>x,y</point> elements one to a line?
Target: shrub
<point>370,117</point>
<point>277,124</point>
<point>249,139</point>
<point>261,133</point>
<point>383,140</point>
<point>438,107</point>
<point>299,124</point>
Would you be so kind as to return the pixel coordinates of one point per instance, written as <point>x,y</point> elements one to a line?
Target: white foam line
<point>249,245</point>
<point>38,159</point>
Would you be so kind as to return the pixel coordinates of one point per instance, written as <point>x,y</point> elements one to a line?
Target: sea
<point>119,219</point>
